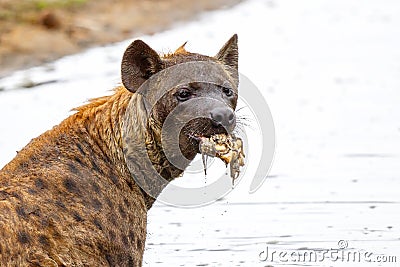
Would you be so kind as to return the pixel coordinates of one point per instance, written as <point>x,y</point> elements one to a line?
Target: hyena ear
<point>229,53</point>
<point>139,63</point>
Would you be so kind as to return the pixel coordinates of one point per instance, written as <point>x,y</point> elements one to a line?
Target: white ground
<point>330,72</point>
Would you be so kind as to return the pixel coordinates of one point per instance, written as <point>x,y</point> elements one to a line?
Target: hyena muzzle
<point>78,194</point>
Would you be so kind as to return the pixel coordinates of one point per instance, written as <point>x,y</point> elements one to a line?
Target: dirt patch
<point>33,32</point>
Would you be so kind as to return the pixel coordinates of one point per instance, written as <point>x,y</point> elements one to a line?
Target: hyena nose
<point>223,117</point>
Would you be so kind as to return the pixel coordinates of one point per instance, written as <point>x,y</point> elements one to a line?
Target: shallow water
<point>330,73</point>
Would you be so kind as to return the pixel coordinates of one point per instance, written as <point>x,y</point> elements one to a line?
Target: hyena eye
<point>227,91</point>
<point>183,94</point>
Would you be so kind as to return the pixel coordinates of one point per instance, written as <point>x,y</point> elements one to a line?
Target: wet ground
<point>330,72</point>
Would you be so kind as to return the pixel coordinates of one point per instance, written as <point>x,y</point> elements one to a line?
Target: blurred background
<point>329,71</point>
<point>37,31</point>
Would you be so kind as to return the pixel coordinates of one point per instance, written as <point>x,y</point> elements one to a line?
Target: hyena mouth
<point>214,141</point>
<point>195,137</point>
<point>205,128</point>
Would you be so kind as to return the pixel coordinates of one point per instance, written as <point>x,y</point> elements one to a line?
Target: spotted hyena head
<point>187,95</point>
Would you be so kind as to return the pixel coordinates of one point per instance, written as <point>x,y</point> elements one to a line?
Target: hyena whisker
<point>239,109</point>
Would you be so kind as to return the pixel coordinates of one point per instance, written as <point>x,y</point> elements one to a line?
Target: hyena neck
<point>156,153</point>
<point>119,123</point>
<point>101,119</point>
<point>143,151</point>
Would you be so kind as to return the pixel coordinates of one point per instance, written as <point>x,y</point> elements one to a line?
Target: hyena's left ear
<point>229,54</point>
<point>139,62</point>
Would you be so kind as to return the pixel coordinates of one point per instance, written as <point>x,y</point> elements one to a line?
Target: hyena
<point>68,197</point>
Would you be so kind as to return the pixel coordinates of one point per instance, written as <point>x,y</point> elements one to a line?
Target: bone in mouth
<point>226,147</point>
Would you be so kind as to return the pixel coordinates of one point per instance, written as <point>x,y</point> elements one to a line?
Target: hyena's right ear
<point>139,62</point>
